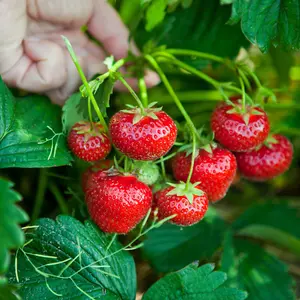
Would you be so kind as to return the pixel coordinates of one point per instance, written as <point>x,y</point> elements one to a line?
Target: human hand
<point>33,56</point>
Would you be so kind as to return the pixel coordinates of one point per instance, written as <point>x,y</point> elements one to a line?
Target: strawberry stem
<point>163,169</point>
<point>243,95</point>
<point>85,82</point>
<point>172,93</point>
<point>132,92</point>
<point>143,91</point>
<point>192,161</point>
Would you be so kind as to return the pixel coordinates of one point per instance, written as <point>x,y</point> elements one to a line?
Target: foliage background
<point>253,234</point>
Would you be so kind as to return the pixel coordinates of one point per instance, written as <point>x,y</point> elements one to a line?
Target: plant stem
<point>192,70</point>
<point>59,198</point>
<point>243,95</point>
<point>90,111</point>
<point>192,161</point>
<point>172,93</point>
<point>163,169</point>
<point>85,82</point>
<point>186,52</point>
<point>143,91</point>
<point>132,92</point>
<point>40,195</point>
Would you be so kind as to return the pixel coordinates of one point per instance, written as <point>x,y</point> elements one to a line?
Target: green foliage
<point>275,222</point>
<point>269,21</point>
<point>251,268</point>
<point>30,132</point>
<point>171,247</point>
<point>8,292</point>
<point>198,27</point>
<point>155,13</point>
<point>65,259</point>
<point>11,216</point>
<point>194,283</point>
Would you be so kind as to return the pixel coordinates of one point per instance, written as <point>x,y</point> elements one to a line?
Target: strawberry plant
<point>186,190</point>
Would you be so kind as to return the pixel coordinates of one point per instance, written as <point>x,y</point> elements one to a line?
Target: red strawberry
<point>270,160</point>
<point>95,172</point>
<point>237,130</point>
<point>214,171</point>
<point>143,137</point>
<point>89,143</point>
<point>188,206</point>
<point>118,203</point>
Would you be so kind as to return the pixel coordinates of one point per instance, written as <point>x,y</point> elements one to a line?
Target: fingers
<point>108,28</point>
<point>90,64</point>
<point>12,31</point>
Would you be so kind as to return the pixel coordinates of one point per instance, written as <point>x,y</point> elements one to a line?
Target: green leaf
<point>155,13</point>
<point>8,291</point>
<point>194,283</point>
<point>262,275</point>
<point>269,21</point>
<point>79,264</point>
<point>275,222</point>
<point>7,104</point>
<point>103,93</point>
<point>171,247</point>
<point>199,27</point>
<point>70,114</point>
<point>11,216</point>
<point>25,144</point>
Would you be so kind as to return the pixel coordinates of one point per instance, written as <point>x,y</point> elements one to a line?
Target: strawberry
<point>269,160</point>
<point>188,204</point>
<point>214,171</point>
<point>239,130</point>
<point>90,143</point>
<point>143,136</point>
<point>147,172</point>
<point>95,172</point>
<point>118,203</point>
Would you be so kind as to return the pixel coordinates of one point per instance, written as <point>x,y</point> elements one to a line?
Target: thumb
<point>41,67</point>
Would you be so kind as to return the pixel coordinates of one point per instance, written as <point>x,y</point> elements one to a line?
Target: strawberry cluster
<point>118,199</point>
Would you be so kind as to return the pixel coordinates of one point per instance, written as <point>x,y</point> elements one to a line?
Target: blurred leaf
<point>25,145</point>
<point>269,21</point>
<point>171,247</point>
<point>194,283</point>
<point>262,275</point>
<point>155,13</point>
<point>79,264</point>
<point>276,222</point>
<point>11,216</point>
<point>8,291</point>
<point>199,27</point>
<point>7,105</point>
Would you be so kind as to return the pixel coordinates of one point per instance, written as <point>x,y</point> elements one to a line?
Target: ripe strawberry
<point>90,143</point>
<point>237,130</point>
<point>269,160</point>
<point>118,203</point>
<point>214,171</point>
<point>95,172</point>
<point>189,206</point>
<point>143,137</point>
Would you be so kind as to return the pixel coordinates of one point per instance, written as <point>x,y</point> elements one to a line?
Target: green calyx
<point>90,130</point>
<point>246,112</point>
<point>189,190</point>
<point>139,113</point>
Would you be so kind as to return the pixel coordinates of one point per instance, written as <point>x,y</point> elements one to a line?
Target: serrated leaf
<point>70,114</point>
<point>96,271</point>
<point>200,27</point>
<point>261,274</point>
<point>276,222</point>
<point>269,21</point>
<point>24,145</point>
<point>7,105</point>
<point>11,216</point>
<point>155,13</point>
<point>170,247</point>
<point>194,283</point>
